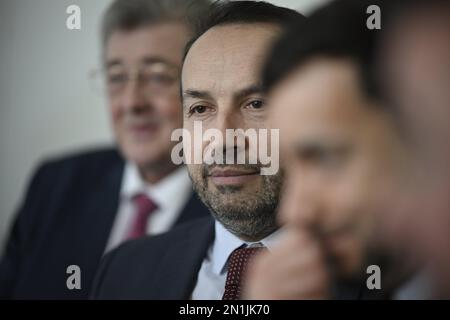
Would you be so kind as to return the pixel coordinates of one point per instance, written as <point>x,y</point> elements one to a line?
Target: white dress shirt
<point>213,271</point>
<point>170,195</point>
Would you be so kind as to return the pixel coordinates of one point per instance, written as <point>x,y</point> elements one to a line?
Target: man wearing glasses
<point>81,206</point>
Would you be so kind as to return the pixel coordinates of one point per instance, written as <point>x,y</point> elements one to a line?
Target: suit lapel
<point>103,208</point>
<point>179,267</point>
<point>96,220</point>
<point>81,226</point>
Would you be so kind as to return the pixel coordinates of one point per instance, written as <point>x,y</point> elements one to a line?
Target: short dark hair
<point>133,14</point>
<point>337,30</point>
<point>243,12</point>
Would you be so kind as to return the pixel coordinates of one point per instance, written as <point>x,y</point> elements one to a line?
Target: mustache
<point>207,169</point>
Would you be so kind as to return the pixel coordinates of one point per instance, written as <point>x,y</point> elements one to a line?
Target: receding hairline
<point>150,25</point>
<point>129,15</point>
<point>236,24</point>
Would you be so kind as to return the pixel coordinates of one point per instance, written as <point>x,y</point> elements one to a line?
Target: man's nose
<point>134,97</point>
<point>299,204</point>
<point>235,142</point>
<point>228,119</point>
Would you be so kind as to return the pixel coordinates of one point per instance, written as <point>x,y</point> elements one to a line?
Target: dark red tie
<point>237,265</point>
<point>144,206</point>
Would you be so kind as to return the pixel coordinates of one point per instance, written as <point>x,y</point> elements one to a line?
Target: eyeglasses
<point>158,78</point>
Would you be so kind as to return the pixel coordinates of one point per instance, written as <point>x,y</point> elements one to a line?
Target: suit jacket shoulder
<point>62,180</point>
<point>88,159</point>
<point>66,219</point>
<point>158,267</point>
<point>63,193</point>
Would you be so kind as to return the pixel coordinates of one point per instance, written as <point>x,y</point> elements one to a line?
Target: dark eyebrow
<point>147,61</point>
<point>200,94</point>
<point>319,145</point>
<point>112,63</point>
<point>153,60</point>
<point>196,94</point>
<point>253,89</point>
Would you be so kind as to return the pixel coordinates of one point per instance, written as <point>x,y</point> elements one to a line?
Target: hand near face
<point>294,270</point>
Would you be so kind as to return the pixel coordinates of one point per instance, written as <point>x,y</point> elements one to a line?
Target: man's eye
<point>312,154</point>
<point>323,156</point>
<point>117,78</point>
<point>256,104</point>
<point>198,109</point>
<point>158,78</point>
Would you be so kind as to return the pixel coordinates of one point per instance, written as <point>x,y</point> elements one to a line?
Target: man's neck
<point>152,174</point>
<point>256,238</point>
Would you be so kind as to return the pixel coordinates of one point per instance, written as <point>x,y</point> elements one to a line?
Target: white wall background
<point>47,105</point>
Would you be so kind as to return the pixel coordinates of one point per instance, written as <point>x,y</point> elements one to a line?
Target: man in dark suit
<point>221,90</point>
<point>80,206</point>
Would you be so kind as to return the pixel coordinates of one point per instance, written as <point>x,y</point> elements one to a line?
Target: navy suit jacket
<point>156,267</point>
<point>66,219</point>
<point>166,267</point>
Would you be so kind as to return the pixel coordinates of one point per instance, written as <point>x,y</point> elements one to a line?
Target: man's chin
<point>145,155</point>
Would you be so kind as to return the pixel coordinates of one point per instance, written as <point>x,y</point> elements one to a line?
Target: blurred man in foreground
<point>342,148</point>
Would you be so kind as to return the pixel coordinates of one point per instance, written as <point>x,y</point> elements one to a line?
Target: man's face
<point>222,90</point>
<point>338,148</point>
<point>142,73</point>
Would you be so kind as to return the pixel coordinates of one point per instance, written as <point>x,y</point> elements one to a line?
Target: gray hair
<point>132,14</point>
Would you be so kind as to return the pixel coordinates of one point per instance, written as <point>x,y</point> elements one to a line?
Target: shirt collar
<point>226,242</point>
<point>161,192</point>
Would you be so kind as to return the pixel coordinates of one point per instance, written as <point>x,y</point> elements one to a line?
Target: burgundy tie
<point>237,265</point>
<point>144,206</point>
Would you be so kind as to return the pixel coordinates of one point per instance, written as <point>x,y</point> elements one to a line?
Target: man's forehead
<point>327,88</point>
<point>237,33</point>
<point>163,40</point>
<point>307,120</point>
<point>240,91</point>
<point>228,58</point>
<point>235,41</point>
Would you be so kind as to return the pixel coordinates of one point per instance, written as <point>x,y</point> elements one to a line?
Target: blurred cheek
<point>115,114</point>
<point>299,200</point>
<point>345,205</point>
<point>289,206</point>
<point>340,204</point>
<point>355,191</point>
<point>170,108</point>
<point>277,120</point>
<point>435,225</point>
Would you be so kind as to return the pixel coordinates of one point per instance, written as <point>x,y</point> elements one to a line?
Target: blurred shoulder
<point>88,157</point>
